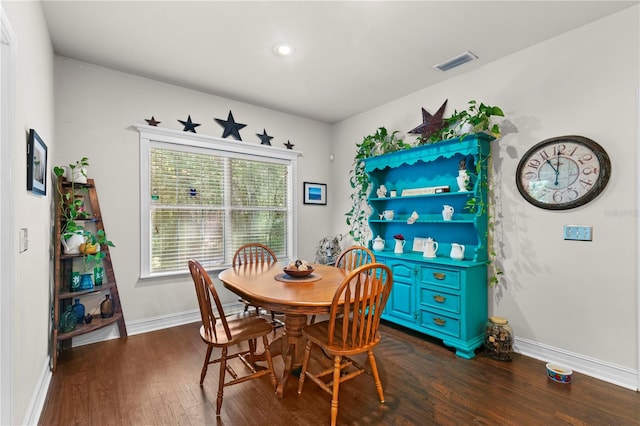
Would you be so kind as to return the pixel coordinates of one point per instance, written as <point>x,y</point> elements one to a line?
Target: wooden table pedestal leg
<point>292,347</point>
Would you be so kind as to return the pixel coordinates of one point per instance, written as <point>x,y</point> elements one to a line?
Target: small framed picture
<point>36,164</point>
<point>315,193</point>
<point>418,244</point>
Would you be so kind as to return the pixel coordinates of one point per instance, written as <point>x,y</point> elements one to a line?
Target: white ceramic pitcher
<point>399,248</point>
<point>447,212</point>
<point>457,251</point>
<point>430,248</point>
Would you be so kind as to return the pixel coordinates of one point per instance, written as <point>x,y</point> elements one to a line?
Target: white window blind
<point>204,202</point>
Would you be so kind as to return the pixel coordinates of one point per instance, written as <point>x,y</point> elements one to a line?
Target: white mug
<point>388,214</point>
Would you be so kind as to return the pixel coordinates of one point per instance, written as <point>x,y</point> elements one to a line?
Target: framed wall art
<point>315,193</point>
<point>36,164</point>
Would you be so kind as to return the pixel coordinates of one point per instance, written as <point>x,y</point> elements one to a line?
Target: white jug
<point>447,212</point>
<point>457,251</point>
<point>430,248</point>
<point>399,246</point>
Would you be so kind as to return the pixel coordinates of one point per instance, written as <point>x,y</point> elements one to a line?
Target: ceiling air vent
<point>462,58</point>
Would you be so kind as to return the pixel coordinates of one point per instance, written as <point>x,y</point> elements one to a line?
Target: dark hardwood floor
<point>153,379</point>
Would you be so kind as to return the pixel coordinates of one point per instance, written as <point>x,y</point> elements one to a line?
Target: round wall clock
<point>563,172</point>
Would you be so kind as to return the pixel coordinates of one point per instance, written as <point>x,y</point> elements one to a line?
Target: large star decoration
<point>189,126</point>
<point>230,127</point>
<point>152,121</point>
<point>264,138</point>
<point>430,123</point>
<point>289,145</point>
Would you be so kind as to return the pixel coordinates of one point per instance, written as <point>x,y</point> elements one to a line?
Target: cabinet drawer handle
<point>439,275</point>
<point>439,321</point>
<point>438,298</point>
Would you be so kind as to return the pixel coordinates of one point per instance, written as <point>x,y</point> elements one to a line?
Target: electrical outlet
<point>577,233</point>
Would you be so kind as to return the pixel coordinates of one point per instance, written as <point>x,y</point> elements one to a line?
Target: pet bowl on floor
<point>559,373</point>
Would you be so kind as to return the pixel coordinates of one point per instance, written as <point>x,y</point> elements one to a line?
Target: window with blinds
<point>205,203</point>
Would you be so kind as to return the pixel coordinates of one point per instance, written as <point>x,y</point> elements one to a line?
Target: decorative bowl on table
<point>559,373</point>
<point>298,269</point>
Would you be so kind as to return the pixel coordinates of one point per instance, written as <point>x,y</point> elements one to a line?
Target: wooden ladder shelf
<point>63,267</point>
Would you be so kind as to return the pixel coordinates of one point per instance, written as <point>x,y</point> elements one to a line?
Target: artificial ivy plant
<point>379,143</point>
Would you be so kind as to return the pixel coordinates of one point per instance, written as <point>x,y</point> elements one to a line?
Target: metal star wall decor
<point>152,121</point>
<point>189,126</point>
<point>264,138</point>
<point>231,128</point>
<point>289,145</point>
<point>430,123</point>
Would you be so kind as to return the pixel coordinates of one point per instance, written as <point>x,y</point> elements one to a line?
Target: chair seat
<point>318,333</point>
<point>243,326</point>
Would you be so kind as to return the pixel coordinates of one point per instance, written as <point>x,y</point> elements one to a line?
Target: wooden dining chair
<point>225,332</point>
<point>352,329</point>
<point>256,253</point>
<point>350,259</point>
<point>354,257</point>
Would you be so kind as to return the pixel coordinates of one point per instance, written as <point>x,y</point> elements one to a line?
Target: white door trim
<point>7,235</point>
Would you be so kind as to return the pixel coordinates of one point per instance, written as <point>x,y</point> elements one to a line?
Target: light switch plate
<point>578,232</point>
<point>24,240</point>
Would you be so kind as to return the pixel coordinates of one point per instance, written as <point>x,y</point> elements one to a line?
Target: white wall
<point>565,298</point>
<point>95,109</point>
<point>33,109</point>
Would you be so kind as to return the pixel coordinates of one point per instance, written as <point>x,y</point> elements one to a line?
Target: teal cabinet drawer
<point>401,270</point>
<point>440,323</point>
<point>432,298</point>
<point>440,276</point>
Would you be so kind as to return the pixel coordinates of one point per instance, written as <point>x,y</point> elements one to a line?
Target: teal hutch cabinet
<point>440,296</point>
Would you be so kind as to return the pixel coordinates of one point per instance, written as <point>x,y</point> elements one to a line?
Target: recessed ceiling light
<point>283,49</point>
<point>456,61</point>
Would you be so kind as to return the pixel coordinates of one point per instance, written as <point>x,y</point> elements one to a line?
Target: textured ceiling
<point>350,55</point>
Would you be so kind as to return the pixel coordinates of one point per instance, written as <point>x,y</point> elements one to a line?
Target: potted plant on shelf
<point>379,143</point>
<point>475,119</point>
<point>72,204</point>
<point>92,255</point>
<point>74,237</point>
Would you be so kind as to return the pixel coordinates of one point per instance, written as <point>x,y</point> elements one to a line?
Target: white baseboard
<point>611,373</point>
<point>34,410</point>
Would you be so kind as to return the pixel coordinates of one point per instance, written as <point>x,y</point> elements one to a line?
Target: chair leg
<point>207,357</point>
<point>267,351</point>
<point>376,377</point>
<point>252,351</point>
<point>305,363</point>
<point>337,360</point>
<point>223,369</point>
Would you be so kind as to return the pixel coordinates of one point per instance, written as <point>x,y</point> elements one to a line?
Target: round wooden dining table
<point>268,287</point>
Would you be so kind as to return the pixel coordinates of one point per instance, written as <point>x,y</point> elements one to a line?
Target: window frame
<point>155,136</point>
